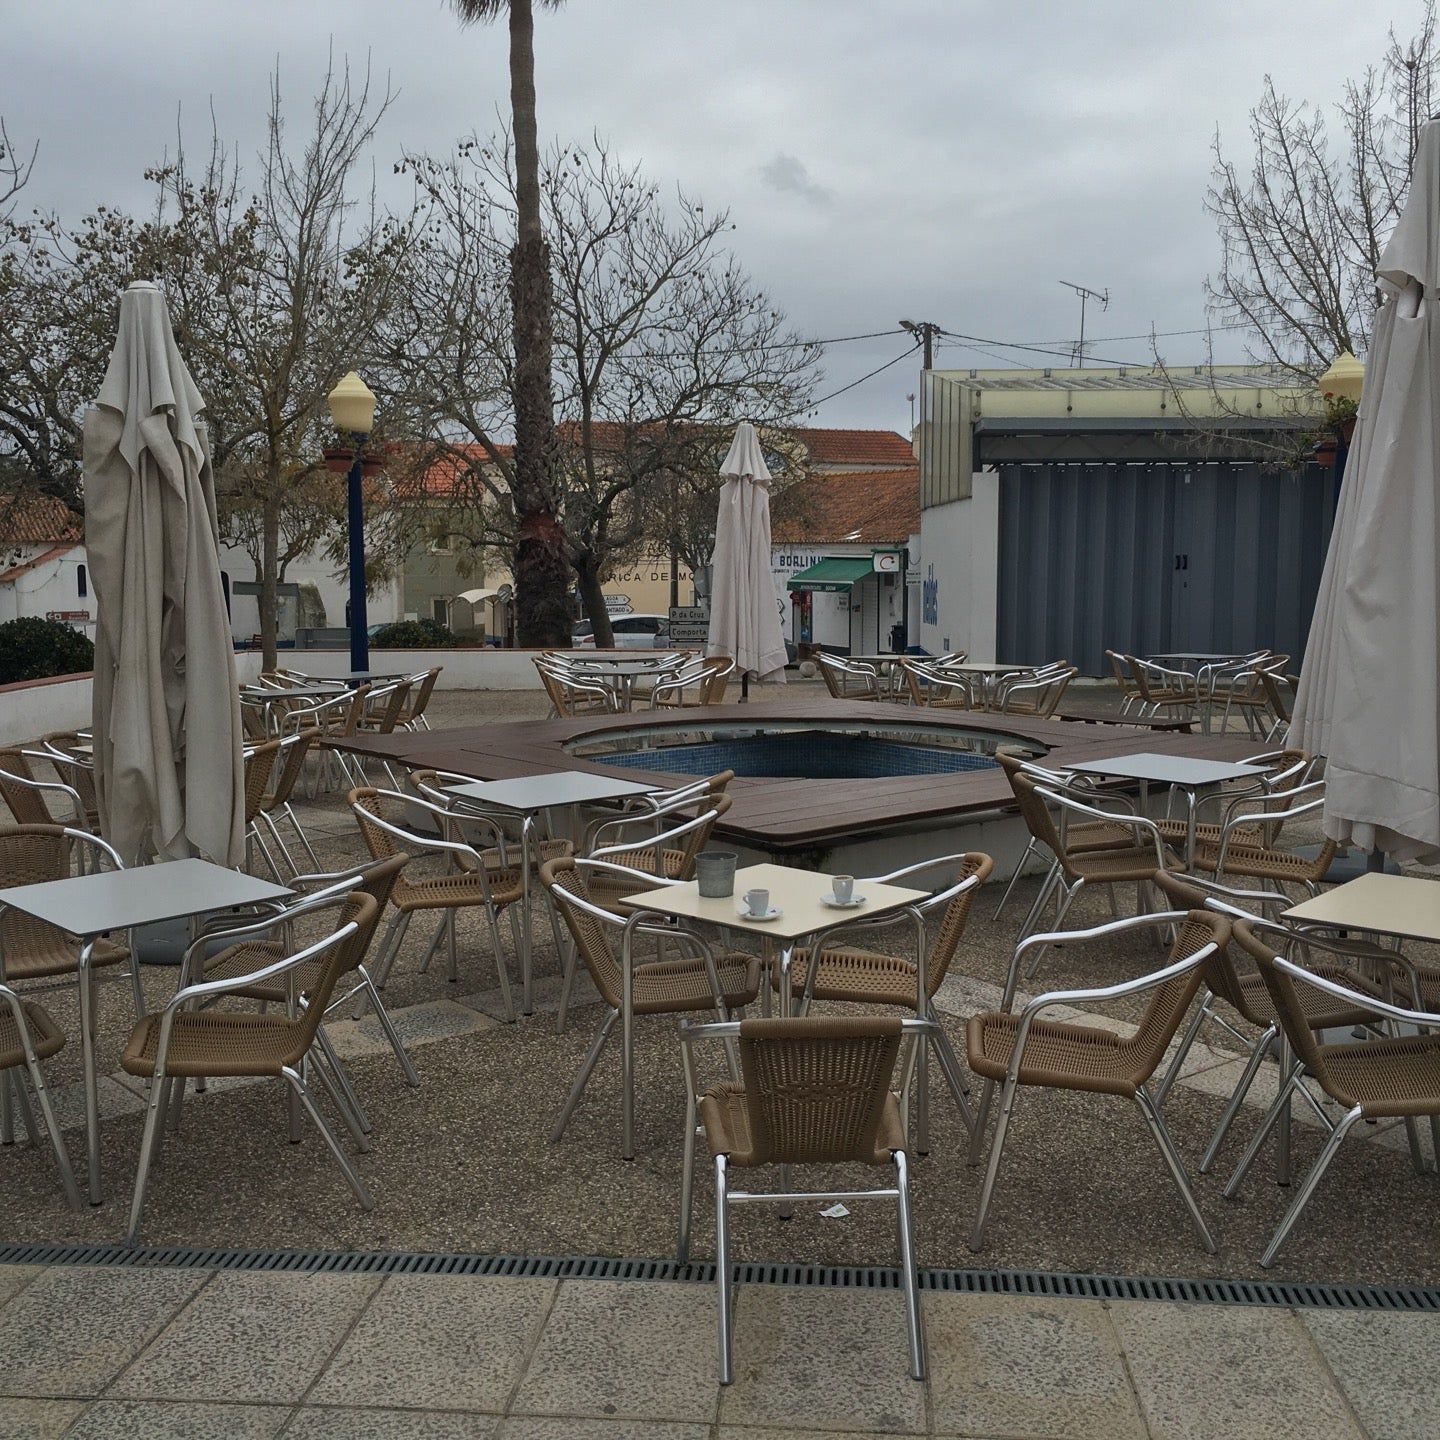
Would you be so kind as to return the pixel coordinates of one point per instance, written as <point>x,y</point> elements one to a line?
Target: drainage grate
<point>1037,1283</point>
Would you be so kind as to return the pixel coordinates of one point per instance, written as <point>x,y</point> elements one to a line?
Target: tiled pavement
<point>159,1353</point>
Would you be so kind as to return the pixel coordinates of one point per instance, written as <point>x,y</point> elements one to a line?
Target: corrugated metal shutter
<point>1158,557</point>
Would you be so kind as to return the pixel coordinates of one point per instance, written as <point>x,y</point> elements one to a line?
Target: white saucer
<point>834,904</point>
<point>773,913</point>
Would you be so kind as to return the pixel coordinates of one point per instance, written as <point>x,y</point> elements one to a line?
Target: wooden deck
<point>790,814</point>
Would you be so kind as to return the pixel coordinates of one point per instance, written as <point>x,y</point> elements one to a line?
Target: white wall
<point>480,668</point>
<point>960,570</point>
<point>53,586</point>
<point>381,608</point>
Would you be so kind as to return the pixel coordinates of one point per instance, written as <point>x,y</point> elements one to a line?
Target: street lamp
<point>1344,380</point>
<point>352,408</point>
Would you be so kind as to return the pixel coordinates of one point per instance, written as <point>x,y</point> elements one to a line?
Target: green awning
<point>833,573</point>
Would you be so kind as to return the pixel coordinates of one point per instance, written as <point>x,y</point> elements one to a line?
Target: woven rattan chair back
<point>75,768</point>
<point>27,806</point>
<point>1036,815</point>
<point>562,878</point>
<point>259,765</point>
<point>296,749</point>
<point>1220,973</point>
<point>952,923</point>
<point>417,701</point>
<point>1288,1007</point>
<point>815,1088</point>
<point>366,801</point>
<point>1124,675</point>
<point>30,855</point>
<point>1169,1002</point>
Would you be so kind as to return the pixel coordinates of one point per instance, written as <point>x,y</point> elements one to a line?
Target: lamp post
<point>352,408</point>
<point>1344,380</point>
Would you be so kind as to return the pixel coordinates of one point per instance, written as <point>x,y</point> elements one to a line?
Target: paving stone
<point>37,1419</point>
<point>70,1331</point>
<point>536,1427</point>
<point>1010,1366</point>
<point>441,1341</point>
<point>258,1337</point>
<point>14,1278</point>
<point>69,1101</point>
<point>417,1024</point>
<point>187,1420</point>
<point>1224,1370</point>
<point>348,1423</point>
<point>1385,1364</point>
<point>621,1350</point>
<point>832,1359</point>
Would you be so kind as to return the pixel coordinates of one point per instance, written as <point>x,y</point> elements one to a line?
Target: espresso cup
<point>842,887</point>
<point>757,902</point>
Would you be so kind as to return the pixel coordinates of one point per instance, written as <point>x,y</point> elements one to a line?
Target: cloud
<point>788,174</point>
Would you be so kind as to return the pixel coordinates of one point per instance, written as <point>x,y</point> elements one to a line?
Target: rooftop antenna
<point>1085,293</point>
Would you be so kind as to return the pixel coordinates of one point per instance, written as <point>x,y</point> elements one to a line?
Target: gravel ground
<point>465,1163</point>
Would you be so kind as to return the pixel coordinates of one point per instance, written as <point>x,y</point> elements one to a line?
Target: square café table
<point>1403,905</point>
<point>527,796</point>
<point>1179,771</point>
<point>87,906</point>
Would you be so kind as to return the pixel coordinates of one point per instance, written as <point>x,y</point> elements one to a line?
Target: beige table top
<point>796,892</point>
<point>1402,905</point>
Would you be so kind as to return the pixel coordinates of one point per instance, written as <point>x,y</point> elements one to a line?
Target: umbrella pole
<point>744,686</point>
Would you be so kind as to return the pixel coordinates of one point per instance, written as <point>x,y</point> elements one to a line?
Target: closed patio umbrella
<point>1369,696</point>
<point>168,760</point>
<point>744,610</point>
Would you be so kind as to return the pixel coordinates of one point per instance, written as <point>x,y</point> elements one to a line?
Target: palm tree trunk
<point>542,578</point>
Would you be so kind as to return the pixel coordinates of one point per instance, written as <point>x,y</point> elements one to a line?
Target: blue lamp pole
<point>352,408</point>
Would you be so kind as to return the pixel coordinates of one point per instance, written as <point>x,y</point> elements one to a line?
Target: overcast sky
<point>946,160</point>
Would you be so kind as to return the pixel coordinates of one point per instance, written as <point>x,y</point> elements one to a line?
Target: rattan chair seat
<point>608,890</point>
<point>540,852</point>
<point>47,1037</point>
<point>665,987</point>
<point>462,887</point>
<point>1100,835</point>
<point>215,1043</point>
<point>1176,832</point>
<point>1261,864</point>
<point>726,1117</point>
<point>1057,1054</point>
<point>32,950</point>
<point>1134,862</point>
<point>1321,1011</point>
<point>1395,1075</point>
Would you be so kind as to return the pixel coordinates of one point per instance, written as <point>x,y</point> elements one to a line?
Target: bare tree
<point>661,343</point>
<point>1303,221</point>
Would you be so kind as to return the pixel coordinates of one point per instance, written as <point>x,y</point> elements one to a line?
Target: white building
<point>45,575</point>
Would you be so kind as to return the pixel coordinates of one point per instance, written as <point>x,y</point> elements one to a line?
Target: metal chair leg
<point>1172,1073</point>
<point>304,838</point>
<point>1008,1096</point>
<point>407,1066</point>
<point>147,1154</point>
<point>502,971</point>
<point>723,1279</point>
<point>11,1086</point>
<point>1015,878</point>
<point>1307,1187</point>
<point>1237,1099</point>
<point>1176,1167</point>
<point>1257,1141</point>
<point>352,1176</point>
<point>52,1127</point>
<point>577,1087</point>
<point>908,1269</point>
<point>347,1099</point>
<point>687,1188</point>
<point>950,1068</point>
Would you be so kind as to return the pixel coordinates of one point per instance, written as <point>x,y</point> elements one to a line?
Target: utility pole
<point>925,331</point>
<point>1086,293</point>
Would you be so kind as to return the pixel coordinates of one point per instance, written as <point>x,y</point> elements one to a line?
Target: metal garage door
<point>1156,557</point>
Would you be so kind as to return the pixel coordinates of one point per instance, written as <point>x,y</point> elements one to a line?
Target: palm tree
<point>542,576</point>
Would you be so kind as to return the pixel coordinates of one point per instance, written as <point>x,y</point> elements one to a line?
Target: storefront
<point>850,603</point>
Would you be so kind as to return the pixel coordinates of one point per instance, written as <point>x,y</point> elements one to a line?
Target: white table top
<point>984,667</point>
<point>1194,655</point>
<point>1403,905</point>
<point>293,692</point>
<point>796,892</point>
<point>639,660</point>
<point>1167,769</point>
<point>87,905</point>
<point>527,794</point>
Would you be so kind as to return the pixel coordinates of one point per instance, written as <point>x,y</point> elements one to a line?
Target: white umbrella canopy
<point>744,609</point>
<point>1369,696</point>
<point>169,772</point>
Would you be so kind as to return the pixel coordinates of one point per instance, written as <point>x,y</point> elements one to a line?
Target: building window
<point>82,582</point>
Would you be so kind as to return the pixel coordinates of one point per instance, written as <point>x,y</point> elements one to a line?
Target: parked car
<point>632,632</point>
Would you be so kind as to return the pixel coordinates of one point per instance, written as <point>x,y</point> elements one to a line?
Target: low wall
<point>465,667</point>
<point>31,708</point>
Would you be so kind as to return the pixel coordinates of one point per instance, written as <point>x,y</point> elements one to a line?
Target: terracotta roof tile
<point>873,507</point>
<point>38,520</point>
<point>877,448</point>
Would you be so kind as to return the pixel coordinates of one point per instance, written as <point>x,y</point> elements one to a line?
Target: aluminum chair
<point>469,885</point>
<point>848,679</point>
<point>290,765</point>
<point>700,981</point>
<point>29,1035</point>
<point>1270,794</point>
<point>931,686</point>
<point>184,1042</point>
<point>1136,861</point>
<point>77,770</point>
<point>695,684</point>
<point>259,767</point>
<point>569,695</point>
<point>847,973</point>
<point>1235,855</point>
<point>813,1091</point>
<point>1037,693</point>
<point>1019,1049</point>
<point>1391,1076</point>
<point>28,796</point>
<point>421,687</point>
<point>1161,688</point>
<point>1125,682</point>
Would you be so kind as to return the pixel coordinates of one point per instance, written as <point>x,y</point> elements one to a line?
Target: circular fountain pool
<point>808,750</point>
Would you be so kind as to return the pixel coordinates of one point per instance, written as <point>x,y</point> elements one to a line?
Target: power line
<point>1066,354</point>
<point>870,375</point>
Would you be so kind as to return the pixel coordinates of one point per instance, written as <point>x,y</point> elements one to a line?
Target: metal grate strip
<point>1034,1283</point>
